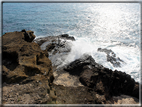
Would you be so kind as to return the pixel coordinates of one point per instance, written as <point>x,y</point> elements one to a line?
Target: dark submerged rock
<point>66,36</point>
<point>111,57</point>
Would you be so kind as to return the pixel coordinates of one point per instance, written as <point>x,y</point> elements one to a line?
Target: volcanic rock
<point>54,39</point>
<point>57,47</point>
<point>66,36</point>
<point>27,74</point>
<point>102,80</point>
<point>111,57</point>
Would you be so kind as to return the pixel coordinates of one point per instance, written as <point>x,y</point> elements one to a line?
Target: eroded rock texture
<point>26,70</point>
<point>104,82</point>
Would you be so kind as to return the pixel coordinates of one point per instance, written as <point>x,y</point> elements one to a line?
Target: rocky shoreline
<point>33,72</point>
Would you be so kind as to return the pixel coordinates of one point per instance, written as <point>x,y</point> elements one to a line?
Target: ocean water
<point>114,26</point>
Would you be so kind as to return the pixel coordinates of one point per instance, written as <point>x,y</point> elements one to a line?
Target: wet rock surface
<point>111,57</point>
<point>36,74</point>
<point>85,73</point>
<point>57,47</point>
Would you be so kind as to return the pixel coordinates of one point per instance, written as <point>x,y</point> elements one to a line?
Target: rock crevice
<point>25,66</point>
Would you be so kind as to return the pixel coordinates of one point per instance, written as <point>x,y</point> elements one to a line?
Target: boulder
<point>27,74</point>
<point>103,80</point>
<point>77,65</point>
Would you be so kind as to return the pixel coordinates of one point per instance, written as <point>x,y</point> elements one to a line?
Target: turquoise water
<point>113,26</point>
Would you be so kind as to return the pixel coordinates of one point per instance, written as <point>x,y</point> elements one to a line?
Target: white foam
<point>79,47</point>
<point>130,55</point>
<point>41,36</point>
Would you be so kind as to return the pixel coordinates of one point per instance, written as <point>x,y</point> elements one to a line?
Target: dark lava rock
<point>66,36</point>
<point>54,39</point>
<point>111,57</point>
<point>135,92</point>
<point>103,80</point>
<point>57,47</point>
<point>25,64</point>
<point>77,65</point>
